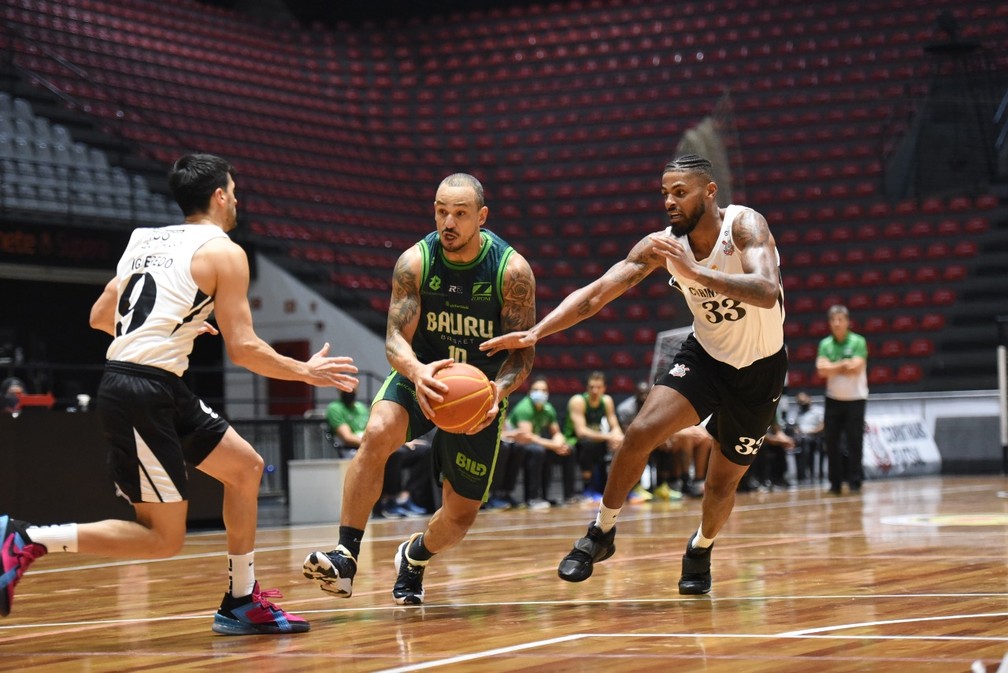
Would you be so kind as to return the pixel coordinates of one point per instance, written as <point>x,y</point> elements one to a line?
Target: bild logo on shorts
<point>470,465</point>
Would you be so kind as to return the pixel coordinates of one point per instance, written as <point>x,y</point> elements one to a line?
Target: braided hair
<point>691,163</point>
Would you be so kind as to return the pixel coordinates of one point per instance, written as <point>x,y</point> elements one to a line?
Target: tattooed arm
<point>518,313</point>
<point>586,301</point>
<point>403,318</point>
<point>759,284</point>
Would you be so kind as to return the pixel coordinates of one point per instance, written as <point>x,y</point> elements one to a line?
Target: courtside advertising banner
<point>896,446</point>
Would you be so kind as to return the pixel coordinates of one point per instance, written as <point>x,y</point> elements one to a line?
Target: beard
<point>688,223</point>
<point>457,244</point>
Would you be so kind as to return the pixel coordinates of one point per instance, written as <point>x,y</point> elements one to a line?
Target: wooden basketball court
<point>910,575</point>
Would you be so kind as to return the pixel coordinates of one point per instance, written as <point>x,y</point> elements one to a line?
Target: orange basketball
<point>469,397</point>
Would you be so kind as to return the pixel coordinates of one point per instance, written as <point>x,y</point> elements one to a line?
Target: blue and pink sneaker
<point>17,552</point>
<point>254,614</point>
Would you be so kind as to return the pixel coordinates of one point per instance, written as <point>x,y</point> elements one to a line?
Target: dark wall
<point>969,445</point>
<point>53,469</point>
<point>63,355</point>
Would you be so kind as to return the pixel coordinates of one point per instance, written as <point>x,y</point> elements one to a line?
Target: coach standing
<point>843,361</point>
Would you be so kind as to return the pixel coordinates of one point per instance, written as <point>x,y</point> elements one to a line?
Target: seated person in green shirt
<point>535,426</point>
<point>347,417</point>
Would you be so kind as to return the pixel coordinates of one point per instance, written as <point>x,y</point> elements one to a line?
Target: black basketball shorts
<point>742,403</point>
<point>154,425</point>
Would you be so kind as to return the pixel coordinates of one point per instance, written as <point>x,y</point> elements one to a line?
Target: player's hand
<point>207,328</point>
<point>672,250</point>
<point>428,389</point>
<point>491,413</point>
<point>509,341</point>
<point>332,371</point>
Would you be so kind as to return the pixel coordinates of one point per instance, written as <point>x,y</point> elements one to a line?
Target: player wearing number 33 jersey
<point>730,331</point>
<point>732,367</point>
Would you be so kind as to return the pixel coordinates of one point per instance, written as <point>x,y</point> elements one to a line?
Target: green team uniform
<point>356,417</point>
<point>593,419</point>
<point>541,419</point>
<point>460,307</point>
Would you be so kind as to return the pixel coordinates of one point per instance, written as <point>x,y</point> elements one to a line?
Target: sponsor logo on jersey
<point>456,324</point>
<point>678,370</point>
<point>704,292</point>
<point>482,291</point>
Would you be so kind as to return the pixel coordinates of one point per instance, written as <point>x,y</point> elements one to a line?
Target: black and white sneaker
<point>336,570</point>
<point>594,547</point>
<point>408,589</point>
<point>696,577</point>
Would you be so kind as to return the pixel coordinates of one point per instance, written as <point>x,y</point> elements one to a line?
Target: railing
<point>278,439</point>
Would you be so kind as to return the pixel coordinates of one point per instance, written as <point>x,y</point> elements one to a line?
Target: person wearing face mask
<point>536,429</point>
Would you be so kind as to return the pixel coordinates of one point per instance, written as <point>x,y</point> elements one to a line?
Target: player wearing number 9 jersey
<point>167,282</point>
<point>732,367</point>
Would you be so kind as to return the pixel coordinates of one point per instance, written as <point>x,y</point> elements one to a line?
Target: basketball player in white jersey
<point>167,282</point>
<point>725,263</point>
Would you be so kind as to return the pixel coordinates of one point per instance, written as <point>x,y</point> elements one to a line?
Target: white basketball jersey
<point>160,308</point>
<point>729,330</point>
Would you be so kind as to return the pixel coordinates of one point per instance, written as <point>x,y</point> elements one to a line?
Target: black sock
<point>418,551</point>
<point>351,539</point>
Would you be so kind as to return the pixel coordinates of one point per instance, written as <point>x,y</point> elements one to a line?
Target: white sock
<point>606,518</point>
<point>701,542</point>
<point>60,538</point>
<point>241,572</point>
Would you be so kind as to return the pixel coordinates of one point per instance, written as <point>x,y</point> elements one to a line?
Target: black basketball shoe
<point>594,547</point>
<point>696,577</point>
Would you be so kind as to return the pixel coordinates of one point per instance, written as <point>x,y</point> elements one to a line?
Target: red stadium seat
<point>920,347</point>
<point>645,335</point>
<point>932,322</point>
<point>874,325</point>
<point>613,335</point>
<point>903,323</point>
<point>943,297</point>
<point>909,372</point>
<point>891,348</point>
<point>880,375</point>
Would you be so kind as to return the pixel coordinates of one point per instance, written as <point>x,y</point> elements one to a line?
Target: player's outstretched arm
<point>586,301</point>
<point>221,269</point>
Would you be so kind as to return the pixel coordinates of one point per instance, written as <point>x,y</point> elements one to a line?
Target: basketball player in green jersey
<point>457,287</point>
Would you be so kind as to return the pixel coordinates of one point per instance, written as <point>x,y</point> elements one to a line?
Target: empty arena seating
<point>565,110</point>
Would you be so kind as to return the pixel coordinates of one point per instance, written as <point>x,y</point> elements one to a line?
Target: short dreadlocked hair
<point>691,163</point>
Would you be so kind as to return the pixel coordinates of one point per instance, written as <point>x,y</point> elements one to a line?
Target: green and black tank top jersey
<point>460,304</point>
<point>593,417</point>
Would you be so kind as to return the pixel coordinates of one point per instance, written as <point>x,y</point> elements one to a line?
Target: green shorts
<point>466,462</point>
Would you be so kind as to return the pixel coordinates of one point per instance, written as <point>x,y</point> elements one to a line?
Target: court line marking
<point>472,656</point>
<point>461,658</point>
<point>572,602</point>
<point>885,622</point>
